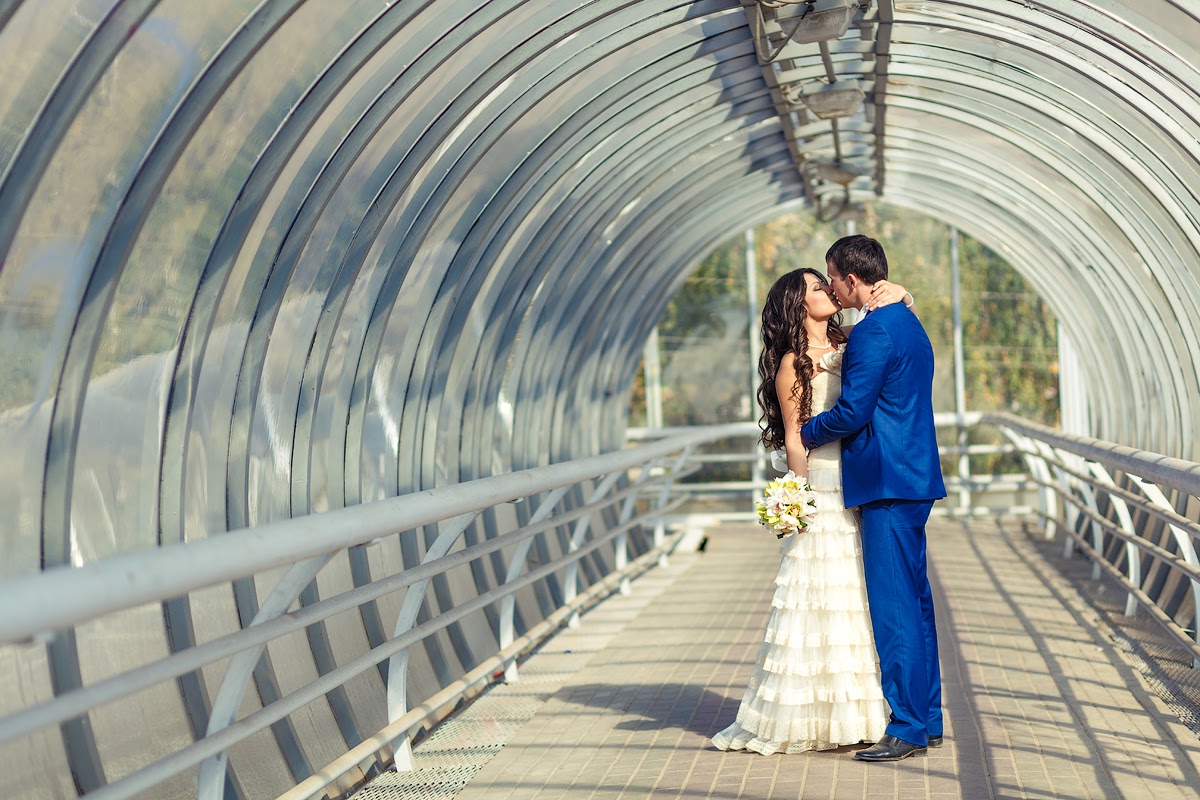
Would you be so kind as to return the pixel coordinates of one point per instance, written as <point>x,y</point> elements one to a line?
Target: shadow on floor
<point>659,706</point>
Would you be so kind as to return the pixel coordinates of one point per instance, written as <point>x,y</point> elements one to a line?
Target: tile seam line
<point>1076,604</point>
<point>1069,694</point>
<point>942,605</point>
<point>618,628</point>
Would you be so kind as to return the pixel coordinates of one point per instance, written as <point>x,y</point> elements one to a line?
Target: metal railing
<point>972,493</point>
<point>634,486</point>
<point>1111,501</point>
<point>1120,506</point>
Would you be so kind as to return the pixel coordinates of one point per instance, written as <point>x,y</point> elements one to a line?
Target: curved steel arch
<point>1130,180</point>
<point>436,253</point>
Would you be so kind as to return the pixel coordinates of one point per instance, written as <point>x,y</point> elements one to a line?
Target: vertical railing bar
<point>571,576</point>
<point>210,782</point>
<point>1084,489</point>
<point>1038,469</point>
<point>1133,556</point>
<point>660,527</point>
<point>1187,548</point>
<point>397,685</point>
<point>508,606</point>
<point>1057,484</point>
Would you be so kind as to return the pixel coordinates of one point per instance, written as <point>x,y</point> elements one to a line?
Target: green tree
<point>1009,333</point>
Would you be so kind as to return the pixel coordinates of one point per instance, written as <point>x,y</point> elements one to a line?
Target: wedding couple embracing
<point>850,650</point>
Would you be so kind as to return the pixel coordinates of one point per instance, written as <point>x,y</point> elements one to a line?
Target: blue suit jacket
<point>885,414</point>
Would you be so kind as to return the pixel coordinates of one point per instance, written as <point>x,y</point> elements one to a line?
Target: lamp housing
<point>824,20</point>
<point>831,100</point>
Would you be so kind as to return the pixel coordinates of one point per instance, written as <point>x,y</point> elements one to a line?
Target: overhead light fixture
<point>822,175</point>
<point>831,100</point>
<point>817,21</point>
<point>841,174</point>
<point>811,21</point>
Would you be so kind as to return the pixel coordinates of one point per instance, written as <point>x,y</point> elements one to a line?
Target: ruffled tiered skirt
<point>815,684</point>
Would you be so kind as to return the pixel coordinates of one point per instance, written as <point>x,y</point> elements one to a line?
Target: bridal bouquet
<point>788,505</point>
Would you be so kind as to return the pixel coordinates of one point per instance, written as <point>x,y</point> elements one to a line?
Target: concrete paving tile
<point>1024,675</point>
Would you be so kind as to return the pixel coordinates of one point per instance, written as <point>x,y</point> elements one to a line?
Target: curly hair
<point>782,333</point>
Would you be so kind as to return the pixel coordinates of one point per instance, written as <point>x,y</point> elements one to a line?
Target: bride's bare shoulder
<point>787,366</point>
<point>785,374</point>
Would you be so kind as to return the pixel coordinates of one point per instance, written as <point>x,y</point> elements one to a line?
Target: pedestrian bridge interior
<point>319,322</point>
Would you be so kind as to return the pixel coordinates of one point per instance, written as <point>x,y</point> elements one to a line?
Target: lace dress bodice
<point>825,462</point>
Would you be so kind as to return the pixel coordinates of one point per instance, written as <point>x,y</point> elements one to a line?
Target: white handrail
<point>1174,473</point>
<point>34,606</point>
<point>1079,484</point>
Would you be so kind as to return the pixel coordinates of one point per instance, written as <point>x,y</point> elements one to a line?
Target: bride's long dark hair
<point>782,333</point>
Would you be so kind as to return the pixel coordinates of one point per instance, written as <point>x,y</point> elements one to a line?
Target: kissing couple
<point>850,649</point>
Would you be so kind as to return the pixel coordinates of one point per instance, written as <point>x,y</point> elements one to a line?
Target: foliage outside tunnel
<point>1009,333</point>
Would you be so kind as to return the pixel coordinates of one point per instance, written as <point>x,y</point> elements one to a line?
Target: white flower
<point>788,505</point>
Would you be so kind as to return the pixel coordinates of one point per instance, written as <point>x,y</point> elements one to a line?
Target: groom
<point>890,469</point>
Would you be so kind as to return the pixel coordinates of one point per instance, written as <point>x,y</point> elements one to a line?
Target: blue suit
<point>891,470</point>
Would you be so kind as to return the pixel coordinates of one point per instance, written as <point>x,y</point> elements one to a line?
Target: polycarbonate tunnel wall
<point>262,259</point>
<point>1066,135</point>
<point>259,259</point>
<point>284,256</point>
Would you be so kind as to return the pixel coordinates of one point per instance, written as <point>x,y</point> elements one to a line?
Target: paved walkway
<point>1039,704</point>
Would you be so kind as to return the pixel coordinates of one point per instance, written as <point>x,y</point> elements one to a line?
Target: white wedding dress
<point>815,685</point>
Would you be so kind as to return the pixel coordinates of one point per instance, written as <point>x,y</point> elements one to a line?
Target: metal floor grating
<point>1165,665</point>
<point>436,783</point>
<point>446,760</point>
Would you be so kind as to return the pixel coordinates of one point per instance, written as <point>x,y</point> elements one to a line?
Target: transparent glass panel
<point>36,45</point>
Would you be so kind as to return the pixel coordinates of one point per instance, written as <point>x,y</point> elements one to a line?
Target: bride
<point>815,685</point>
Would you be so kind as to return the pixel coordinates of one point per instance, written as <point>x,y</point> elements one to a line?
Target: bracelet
<point>912,301</point>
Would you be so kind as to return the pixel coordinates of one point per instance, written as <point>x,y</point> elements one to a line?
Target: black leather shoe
<point>889,748</point>
<point>935,741</point>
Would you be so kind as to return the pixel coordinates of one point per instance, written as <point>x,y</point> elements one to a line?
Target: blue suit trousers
<point>893,541</point>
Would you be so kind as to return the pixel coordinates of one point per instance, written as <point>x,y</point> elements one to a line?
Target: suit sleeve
<point>863,369</point>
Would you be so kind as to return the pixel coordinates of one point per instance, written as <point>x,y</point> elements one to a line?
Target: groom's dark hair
<point>859,255</point>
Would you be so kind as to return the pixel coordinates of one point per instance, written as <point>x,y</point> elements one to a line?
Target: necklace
<point>820,346</point>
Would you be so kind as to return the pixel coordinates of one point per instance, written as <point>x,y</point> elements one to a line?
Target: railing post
<point>1089,497</point>
<point>664,497</point>
<point>1186,548</point>
<point>508,606</point>
<point>1041,474</point>
<point>622,545</point>
<point>754,323</point>
<point>210,781</point>
<point>1069,513</point>
<point>660,534</point>
<point>960,380</point>
<point>1133,556</point>
<point>414,596</point>
<point>571,577</point>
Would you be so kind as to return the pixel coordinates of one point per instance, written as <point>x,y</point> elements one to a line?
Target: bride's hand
<point>884,293</point>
